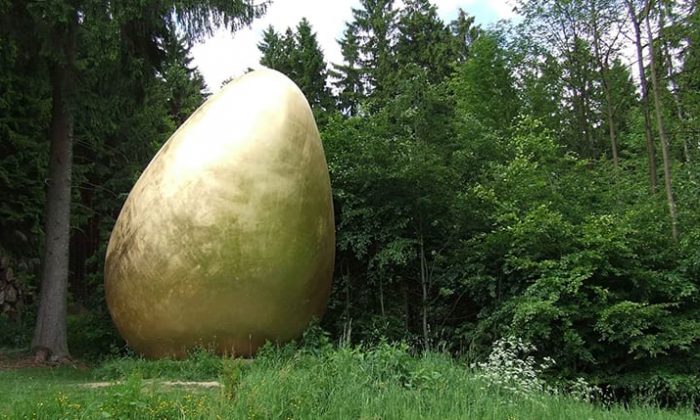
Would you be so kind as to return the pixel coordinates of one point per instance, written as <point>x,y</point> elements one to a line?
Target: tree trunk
<point>381,297</point>
<point>666,53</point>
<point>587,121</point>
<point>611,124</point>
<point>346,338</point>
<point>582,80</point>
<point>662,133</point>
<point>603,64</point>
<point>424,296</point>
<point>580,86</point>
<point>347,293</point>
<point>50,338</point>
<point>406,305</point>
<point>651,154</point>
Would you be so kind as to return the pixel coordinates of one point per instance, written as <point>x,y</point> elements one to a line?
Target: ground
<point>382,383</point>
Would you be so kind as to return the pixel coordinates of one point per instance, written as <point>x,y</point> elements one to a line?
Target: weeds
<point>200,365</point>
<point>511,367</point>
<point>382,381</point>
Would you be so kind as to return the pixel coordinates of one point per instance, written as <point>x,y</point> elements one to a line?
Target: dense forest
<point>538,180</point>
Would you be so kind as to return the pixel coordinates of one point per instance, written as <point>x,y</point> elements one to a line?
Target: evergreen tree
<point>465,32</point>
<point>25,110</point>
<point>186,87</point>
<point>61,30</point>
<point>348,76</point>
<point>424,40</point>
<point>374,26</point>
<point>542,89</point>
<point>310,70</point>
<point>298,55</point>
<point>276,51</point>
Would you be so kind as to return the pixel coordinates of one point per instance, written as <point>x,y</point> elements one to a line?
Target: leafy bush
<point>92,336</point>
<point>15,333</point>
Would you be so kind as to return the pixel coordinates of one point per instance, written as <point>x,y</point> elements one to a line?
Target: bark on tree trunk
<point>651,154</point>
<point>611,125</point>
<point>347,293</point>
<point>381,297</point>
<point>346,339</point>
<point>662,133</point>
<point>603,63</point>
<point>580,89</point>
<point>50,337</point>
<point>406,305</point>
<point>670,73</point>
<point>587,122</point>
<point>424,296</point>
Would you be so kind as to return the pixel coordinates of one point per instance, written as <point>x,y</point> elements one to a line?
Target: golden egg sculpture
<point>227,240</point>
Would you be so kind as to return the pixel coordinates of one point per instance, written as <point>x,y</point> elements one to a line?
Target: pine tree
<point>465,32</point>
<point>310,69</point>
<point>348,76</point>
<point>62,30</point>
<point>185,84</point>
<point>276,50</point>
<point>424,40</point>
<point>298,55</point>
<point>24,116</point>
<point>375,28</point>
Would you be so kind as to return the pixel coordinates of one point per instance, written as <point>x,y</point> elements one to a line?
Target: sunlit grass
<point>384,382</point>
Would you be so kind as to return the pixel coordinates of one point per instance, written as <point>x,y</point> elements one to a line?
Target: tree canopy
<point>537,180</point>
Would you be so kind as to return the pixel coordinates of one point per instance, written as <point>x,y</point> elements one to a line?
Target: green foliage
<point>581,282</point>
<point>298,55</point>
<point>199,365</point>
<point>24,116</point>
<point>15,334</point>
<point>473,189</point>
<point>92,336</point>
<point>488,97</point>
<point>133,87</point>
<point>511,367</point>
<point>127,400</point>
<point>348,76</point>
<point>424,40</point>
<point>374,28</point>
<point>386,381</point>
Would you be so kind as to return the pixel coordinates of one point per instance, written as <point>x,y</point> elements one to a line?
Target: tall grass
<point>382,382</point>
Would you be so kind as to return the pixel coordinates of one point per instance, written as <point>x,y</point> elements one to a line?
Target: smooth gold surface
<point>228,239</point>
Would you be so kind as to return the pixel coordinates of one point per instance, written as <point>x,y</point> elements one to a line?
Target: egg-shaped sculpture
<point>227,240</point>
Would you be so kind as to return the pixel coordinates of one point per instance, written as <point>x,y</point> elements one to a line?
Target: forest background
<point>527,180</point>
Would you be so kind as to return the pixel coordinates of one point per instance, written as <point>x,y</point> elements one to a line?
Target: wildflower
<point>511,366</point>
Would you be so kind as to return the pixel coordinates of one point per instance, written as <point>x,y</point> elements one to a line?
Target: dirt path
<point>174,384</point>
<point>21,360</point>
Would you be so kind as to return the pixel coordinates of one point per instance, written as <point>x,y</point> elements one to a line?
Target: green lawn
<point>381,383</point>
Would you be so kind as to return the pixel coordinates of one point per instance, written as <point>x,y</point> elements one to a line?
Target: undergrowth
<point>385,381</point>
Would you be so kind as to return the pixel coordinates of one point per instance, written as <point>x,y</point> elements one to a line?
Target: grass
<point>384,382</point>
